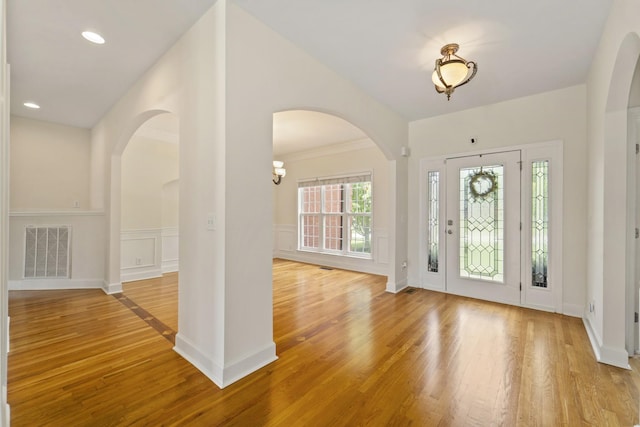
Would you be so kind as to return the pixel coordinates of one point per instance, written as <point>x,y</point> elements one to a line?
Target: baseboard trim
<point>190,352</point>
<point>432,288</point>
<point>6,407</point>
<point>140,275</point>
<point>594,337</point>
<point>249,364</point>
<point>603,354</point>
<point>395,287</point>
<point>222,377</point>
<point>170,266</point>
<point>112,288</point>
<point>538,307</point>
<point>615,357</point>
<point>54,284</point>
<point>368,266</point>
<point>573,310</point>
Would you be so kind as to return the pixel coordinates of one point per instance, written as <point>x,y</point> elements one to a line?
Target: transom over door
<point>483,226</point>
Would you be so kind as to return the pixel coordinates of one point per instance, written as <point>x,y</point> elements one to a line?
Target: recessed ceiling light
<point>93,37</point>
<point>32,105</point>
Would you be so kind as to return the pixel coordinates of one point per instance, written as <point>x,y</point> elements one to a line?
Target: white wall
<point>147,165</point>
<point>267,74</point>
<point>170,231</point>
<point>188,81</point>
<point>87,249</point>
<point>557,115</point>
<point>224,79</point>
<point>50,174</point>
<point>343,159</point>
<point>608,90</point>
<point>170,204</point>
<point>49,165</point>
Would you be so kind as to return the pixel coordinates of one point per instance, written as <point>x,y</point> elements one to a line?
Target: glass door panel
<point>483,226</point>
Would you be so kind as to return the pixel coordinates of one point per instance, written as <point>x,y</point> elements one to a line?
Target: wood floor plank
<point>349,354</point>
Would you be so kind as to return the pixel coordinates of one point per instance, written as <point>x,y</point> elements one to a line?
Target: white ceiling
<point>387,48</point>
<point>74,81</point>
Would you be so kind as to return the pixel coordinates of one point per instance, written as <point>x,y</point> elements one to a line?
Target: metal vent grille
<point>47,251</point>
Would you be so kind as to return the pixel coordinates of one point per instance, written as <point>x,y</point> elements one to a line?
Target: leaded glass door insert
<point>483,226</point>
<point>482,223</point>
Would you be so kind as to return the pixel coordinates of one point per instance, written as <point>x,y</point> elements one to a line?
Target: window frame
<point>347,216</point>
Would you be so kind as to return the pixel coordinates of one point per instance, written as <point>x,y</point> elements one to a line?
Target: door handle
<point>449,231</point>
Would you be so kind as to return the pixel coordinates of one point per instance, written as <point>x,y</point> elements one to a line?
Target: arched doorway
<point>143,223</point>
<point>323,151</point>
<point>149,161</point>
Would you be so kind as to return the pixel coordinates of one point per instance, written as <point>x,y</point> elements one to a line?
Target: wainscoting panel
<point>381,249</point>
<point>170,254</point>
<point>286,238</point>
<point>140,254</point>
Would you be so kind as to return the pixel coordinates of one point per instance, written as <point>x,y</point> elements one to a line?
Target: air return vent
<point>47,251</point>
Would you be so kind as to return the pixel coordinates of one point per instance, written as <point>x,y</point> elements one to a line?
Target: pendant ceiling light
<point>451,70</point>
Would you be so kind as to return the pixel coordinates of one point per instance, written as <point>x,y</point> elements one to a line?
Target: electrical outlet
<point>138,261</point>
<point>76,204</point>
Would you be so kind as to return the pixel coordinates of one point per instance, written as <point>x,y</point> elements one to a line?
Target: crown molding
<point>328,150</point>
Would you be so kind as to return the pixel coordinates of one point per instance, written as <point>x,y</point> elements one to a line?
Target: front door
<point>483,226</point>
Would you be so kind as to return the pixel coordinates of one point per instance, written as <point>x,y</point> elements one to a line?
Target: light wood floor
<point>349,354</point>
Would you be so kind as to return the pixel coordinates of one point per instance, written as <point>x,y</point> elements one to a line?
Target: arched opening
<point>330,210</point>
<point>323,149</point>
<point>145,208</point>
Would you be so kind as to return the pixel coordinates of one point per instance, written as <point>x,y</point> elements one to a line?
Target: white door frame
<point>508,290</point>
<point>632,340</point>
<point>4,215</point>
<point>552,151</point>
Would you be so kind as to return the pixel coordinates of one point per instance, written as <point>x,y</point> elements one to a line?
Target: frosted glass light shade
<point>280,171</point>
<point>453,73</point>
<point>451,70</point>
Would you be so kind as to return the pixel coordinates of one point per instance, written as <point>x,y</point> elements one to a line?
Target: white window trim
<point>329,180</point>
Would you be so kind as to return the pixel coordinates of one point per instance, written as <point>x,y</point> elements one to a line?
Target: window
<point>433,223</point>
<point>335,215</point>
<point>539,223</point>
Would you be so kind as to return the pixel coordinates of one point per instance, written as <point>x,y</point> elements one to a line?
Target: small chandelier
<point>278,171</point>
<point>451,70</point>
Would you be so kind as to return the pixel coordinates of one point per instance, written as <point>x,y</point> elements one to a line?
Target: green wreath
<point>482,184</point>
